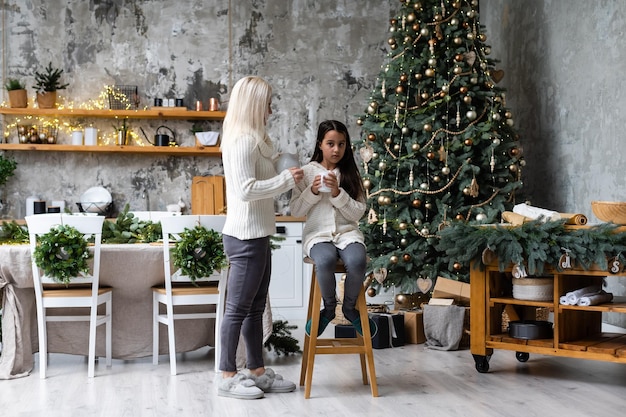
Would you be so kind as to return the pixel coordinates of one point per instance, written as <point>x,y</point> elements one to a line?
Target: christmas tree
<point>438,143</point>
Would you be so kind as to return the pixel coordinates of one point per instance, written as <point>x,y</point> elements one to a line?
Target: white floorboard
<point>413,381</point>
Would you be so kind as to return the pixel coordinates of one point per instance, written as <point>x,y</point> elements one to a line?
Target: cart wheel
<point>522,356</point>
<point>482,363</point>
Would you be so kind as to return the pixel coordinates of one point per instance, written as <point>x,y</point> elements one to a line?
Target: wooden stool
<point>361,345</point>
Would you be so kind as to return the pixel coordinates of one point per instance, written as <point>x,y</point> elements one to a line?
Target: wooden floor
<point>412,380</point>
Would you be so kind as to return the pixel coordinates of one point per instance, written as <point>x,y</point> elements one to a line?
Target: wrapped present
<point>413,326</point>
<point>345,331</point>
<point>390,330</point>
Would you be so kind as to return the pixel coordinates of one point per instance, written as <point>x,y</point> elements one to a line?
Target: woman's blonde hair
<point>248,109</point>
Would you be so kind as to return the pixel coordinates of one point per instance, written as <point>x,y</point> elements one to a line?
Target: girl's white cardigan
<point>328,219</point>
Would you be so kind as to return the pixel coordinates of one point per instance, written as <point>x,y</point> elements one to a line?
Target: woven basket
<point>533,289</point>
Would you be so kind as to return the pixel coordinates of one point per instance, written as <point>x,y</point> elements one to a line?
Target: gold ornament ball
<point>437,178</point>
<point>396,147</point>
<point>481,217</point>
<point>457,266</point>
<point>394,47</point>
<point>466,191</point>
<point>514,151</point>
<point>391,41</point>
<point>458,57</point>
<point>432,62</point>
<point>367,184</point>
<point>403,242</point>
<point>404,78</point>
<point>467,100</point>
<point>482,37</point>
<point>454,22</point>
<point>457,41</point>
<point>418,76</point>
<point>445,170</point>
<point>393,259</point>
<point>463,90</point>
<point>457,70</point>
<point>371,137</point>
<point>406,257</point>
<point>425,95</point>
<point>382,165</point>
<point>471,115</point>
<point>459,217</point>
<point>389,141</point>
<point>374,105</point>
<point>387,201</point>
<point>399,89</point>
<point>416,203</point>
<point>428,127</point>
<point>359,122</point>
<point>408,39</point>
<point>381,200</point>
<point>393,22</point>
<point>417,222</point>
<point>405,130</point>
<point>371,292</point>
<point>513,168</point>
<point>456,4</point>
<point>510,122</point>
<point>468,142</point>
<point>430,155</point>
<point>428,205</point>
<point>415,147</point>
<point>425,231</point>
<point>402,226</point>
<point>371,110</point>
<point>424,32</point>
<point>410,18</point>
<point>416,27</point>
<point>429,72</point>
<point>401,300</point>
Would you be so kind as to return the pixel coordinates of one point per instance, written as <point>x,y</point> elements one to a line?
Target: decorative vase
<point>47,99</point>
<point>18,99</point>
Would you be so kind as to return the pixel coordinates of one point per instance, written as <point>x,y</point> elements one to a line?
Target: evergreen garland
<point>535,244</point>
<point>11,232</point>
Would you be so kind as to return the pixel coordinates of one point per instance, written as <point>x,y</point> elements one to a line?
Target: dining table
<point>131,270</point>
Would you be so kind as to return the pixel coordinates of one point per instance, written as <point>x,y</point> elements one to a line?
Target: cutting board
<point>208,195</point>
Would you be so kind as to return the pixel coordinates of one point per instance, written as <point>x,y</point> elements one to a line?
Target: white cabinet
<point>290,276</point>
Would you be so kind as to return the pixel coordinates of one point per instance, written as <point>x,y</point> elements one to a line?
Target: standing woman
<point>251,185</point>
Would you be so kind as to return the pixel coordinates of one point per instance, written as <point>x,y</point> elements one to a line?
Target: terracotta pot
<point>18,99</point>
<point>47,99</point>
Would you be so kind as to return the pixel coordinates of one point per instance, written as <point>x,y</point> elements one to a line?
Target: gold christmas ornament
<point>371,292</point>
<point>457,266</point>
<point>416,203</point>
<point>406,257</point>
<point>393,259</point>
<point>371,137</point>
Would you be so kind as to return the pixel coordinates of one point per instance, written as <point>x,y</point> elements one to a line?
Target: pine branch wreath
<point>62,253</point>
<point>199,252</point>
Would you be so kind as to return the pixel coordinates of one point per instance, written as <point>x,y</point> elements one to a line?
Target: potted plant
<point>7,169</point>
<point>17,93</point>
<point>46,84</point>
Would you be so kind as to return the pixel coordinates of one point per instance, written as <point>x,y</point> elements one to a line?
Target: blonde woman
<point>251,185</point>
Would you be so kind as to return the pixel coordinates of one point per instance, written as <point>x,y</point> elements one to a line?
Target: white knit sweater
<point>251,185</point>
<point>328,219</point>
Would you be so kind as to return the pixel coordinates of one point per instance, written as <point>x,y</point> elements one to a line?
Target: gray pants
<point>246,292</point>
<point>325,255</point>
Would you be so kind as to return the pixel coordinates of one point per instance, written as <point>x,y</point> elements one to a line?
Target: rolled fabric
<point>535,212</point>
<point>574,296</point>
<point>576,219</point>
<point>595,299</point>
<point>514,218</point>
<point>563,300</point>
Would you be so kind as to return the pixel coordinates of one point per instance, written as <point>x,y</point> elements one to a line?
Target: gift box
<point>390,330</point>
<point>385,336</point>
<point>413,326</point>
<point>452,289</point>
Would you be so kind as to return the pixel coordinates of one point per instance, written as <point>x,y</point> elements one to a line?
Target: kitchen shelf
<point>165,150</point>
<point>152,113</point>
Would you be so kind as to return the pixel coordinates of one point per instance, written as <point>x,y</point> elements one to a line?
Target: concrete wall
<point>321,57</point>
<point>564,65</point>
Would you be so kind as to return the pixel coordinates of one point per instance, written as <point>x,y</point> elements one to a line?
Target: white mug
<point>323,188</point>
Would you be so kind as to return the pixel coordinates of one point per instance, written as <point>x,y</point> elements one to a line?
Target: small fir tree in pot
<point>17,93</point>
<point>47,83</point>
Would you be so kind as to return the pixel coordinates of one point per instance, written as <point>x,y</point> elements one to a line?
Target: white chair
<point>83,291</point>
<point>184,293</point>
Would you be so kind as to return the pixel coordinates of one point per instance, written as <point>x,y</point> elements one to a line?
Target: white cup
<point>77,137</point>
<point>323,188</point>
<point>91,136</point>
